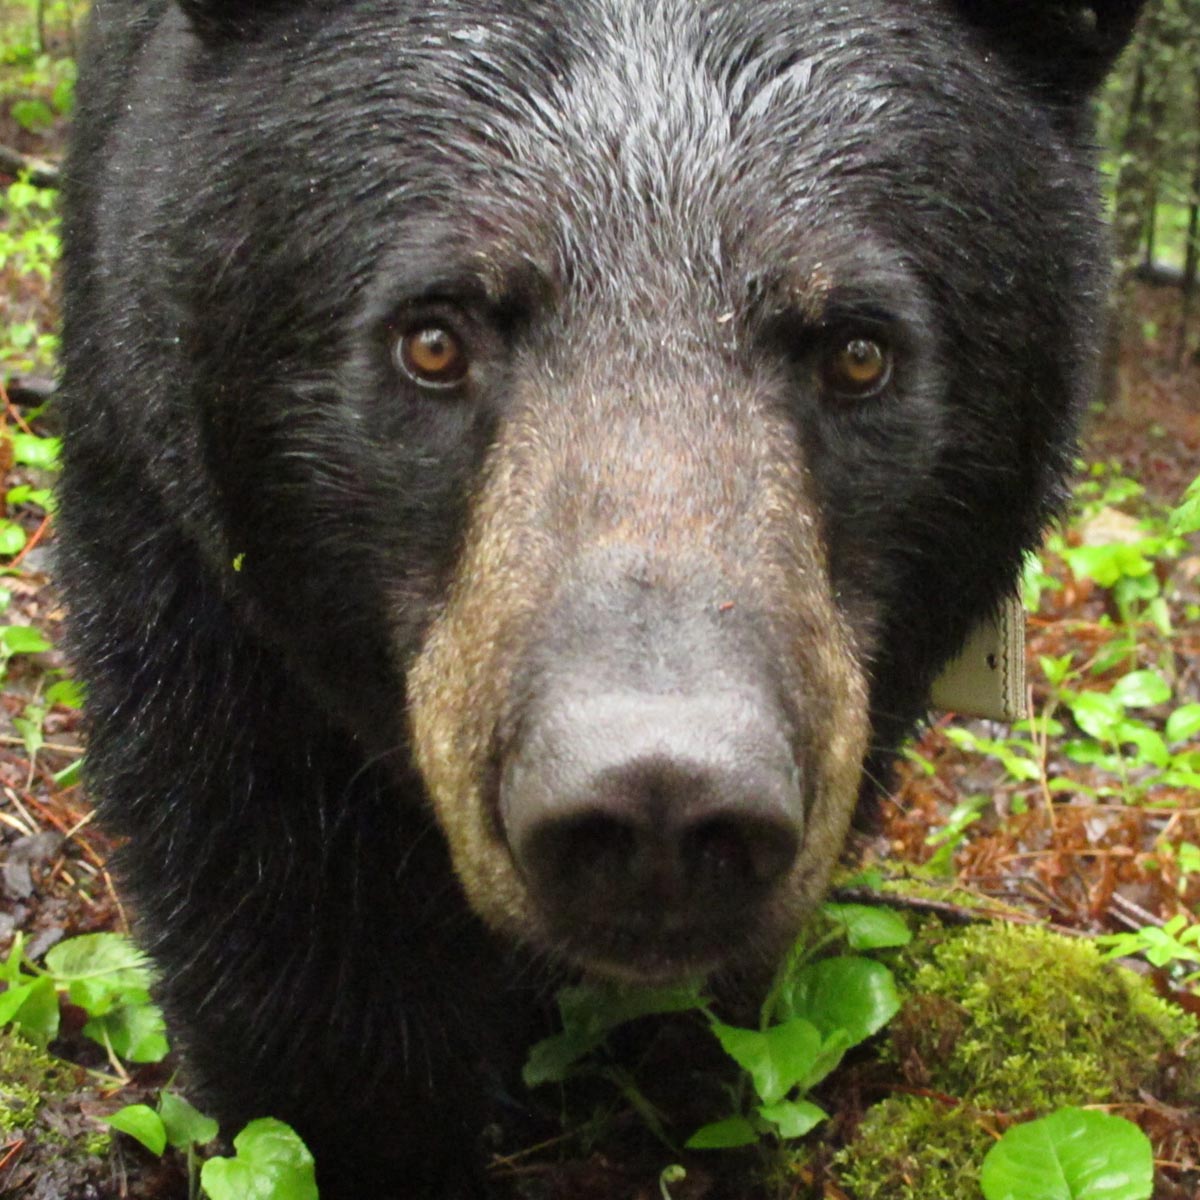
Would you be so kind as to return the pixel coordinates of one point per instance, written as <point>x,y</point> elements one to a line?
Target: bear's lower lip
<point>620,955</point>
<point>651,971</point>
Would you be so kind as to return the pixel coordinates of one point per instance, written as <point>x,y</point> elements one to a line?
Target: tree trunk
<point>1191,260</point>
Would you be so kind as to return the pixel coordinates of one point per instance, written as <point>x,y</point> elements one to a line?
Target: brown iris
<point>433,356</point>
<point>858,368</point>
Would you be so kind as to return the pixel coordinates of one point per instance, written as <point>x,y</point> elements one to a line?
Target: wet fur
<point>264,532</point>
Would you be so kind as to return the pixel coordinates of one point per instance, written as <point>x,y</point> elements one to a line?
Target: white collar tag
<point>988,678</point>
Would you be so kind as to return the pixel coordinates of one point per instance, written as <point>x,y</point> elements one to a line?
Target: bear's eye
<point>432,355</point>
<point>857,368</point>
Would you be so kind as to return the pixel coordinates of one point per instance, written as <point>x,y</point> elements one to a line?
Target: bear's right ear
<point>210,17</point>
<point>1069,45</point>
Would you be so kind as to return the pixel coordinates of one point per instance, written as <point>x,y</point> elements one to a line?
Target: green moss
<point>28,1076</point>
<point>61,1147</point>
<point>911,1148</point>
<point>1018,1018</point>
<point>1011,1022</point>
<point>96,1144</point>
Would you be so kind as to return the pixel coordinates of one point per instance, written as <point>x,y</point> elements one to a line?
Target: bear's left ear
<point>1068,44</point>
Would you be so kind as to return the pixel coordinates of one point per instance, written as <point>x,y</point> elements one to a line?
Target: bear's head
<point>667,388</point>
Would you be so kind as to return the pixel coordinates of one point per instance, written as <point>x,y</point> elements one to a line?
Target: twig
<point>41,173</point>
<point>29,389</point>
<point>8,739</point>
<point>958,914</point>
<point>35,537</point>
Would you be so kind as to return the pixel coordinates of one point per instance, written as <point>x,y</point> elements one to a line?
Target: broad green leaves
<point>1073,1154</point>
<point>102,973</point>
<point>109,978</point>
<point>815,1011</point>
<point>176,1123</point>
<point>271,1163</point>
<point>589,1013</point>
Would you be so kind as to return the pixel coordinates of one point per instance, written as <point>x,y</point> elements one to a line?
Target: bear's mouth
<point>653,951</point>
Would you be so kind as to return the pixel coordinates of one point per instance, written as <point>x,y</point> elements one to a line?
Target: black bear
<point>526,461</point>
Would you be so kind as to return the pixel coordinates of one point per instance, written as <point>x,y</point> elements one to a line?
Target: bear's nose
<point>657,813</point>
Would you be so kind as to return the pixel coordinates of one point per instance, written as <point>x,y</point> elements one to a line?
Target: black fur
<point>258,520</point>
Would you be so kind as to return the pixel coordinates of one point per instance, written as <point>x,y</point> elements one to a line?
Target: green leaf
<point>551,1059</point>
<point>777,1059</point>
<point>1056,670</point>
<point>833,1050</point>
<point>272,1163</point>
<point>793,1118</point>
<point>601,1007</point>
<point>848,993</point>
<point>67,692</point>
<point>12,538</point>
<point>185,1126</point>
<point>23,639</point>
<point>12,970</point>
<point>63,97</point>
<point>1141,689</point>
<point>1183,723</point>
<point>1096,714</point>
<point>1159,613</point>
<point>33,1009</point>
<point>1073,1154</point>
<point>1090,753</point>
<point>723,1135</point>
<point>1186,518</point>
<point>70,775</point>
<point>29,727</point>
<point>869,927</point>
<point>1151,747</point>
<point>136,1032</point>
<point>107,976</point>
<point>589,1012</point>
<point>142,1124</point>
<point>108,957</point>
<point>33,115</point>
<point>34,451</point>
<point>1108,564</point>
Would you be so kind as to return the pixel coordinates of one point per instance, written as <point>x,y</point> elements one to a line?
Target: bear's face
<point>679,383</point>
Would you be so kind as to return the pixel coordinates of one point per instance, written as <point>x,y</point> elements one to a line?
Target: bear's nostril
<point>737,853</point>
<point>592,853</point>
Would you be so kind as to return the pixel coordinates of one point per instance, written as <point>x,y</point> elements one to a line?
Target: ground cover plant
<point>1086,818</point>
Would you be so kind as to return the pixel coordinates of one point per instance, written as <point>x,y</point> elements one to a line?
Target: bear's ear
<point>1069,45</point>
<point>213,17</point>
<point>210,15</point>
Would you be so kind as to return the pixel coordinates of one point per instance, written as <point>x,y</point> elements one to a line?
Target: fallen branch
<point>28,390</point>
<point>954,914</point>
<point>41,173</point>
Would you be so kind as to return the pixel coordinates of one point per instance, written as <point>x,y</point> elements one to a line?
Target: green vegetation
<point>102,973</point>
<point>996,1024</point>
<point>271,1161</point>
<point>1000,1022</point>
<point>1017,1018</point>
<point>816,1009</point>
<point>109,978</point>
<point>1075,1154</point>
<point>28,1077</point>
